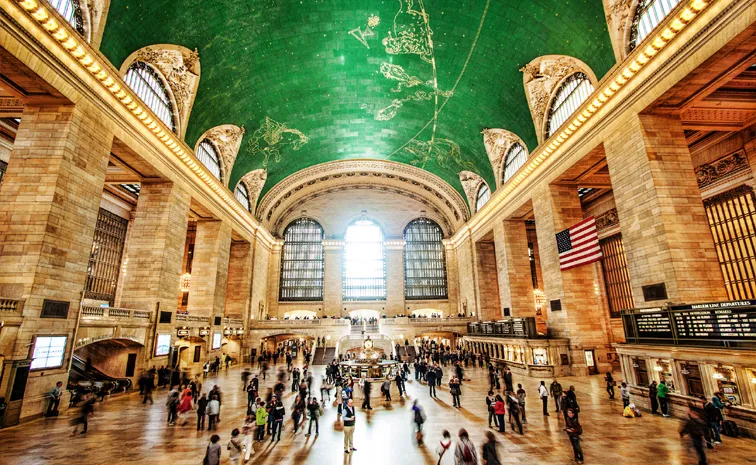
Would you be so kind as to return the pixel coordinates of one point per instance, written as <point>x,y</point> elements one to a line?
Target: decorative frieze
<point>607,220</point>
<point>227,139</point>
<point>254,180</point>
<point>470,183</point>
<point>721,169</point>
<point>497,143</point>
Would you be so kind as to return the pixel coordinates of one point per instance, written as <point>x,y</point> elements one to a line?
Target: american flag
<point>579,245</point>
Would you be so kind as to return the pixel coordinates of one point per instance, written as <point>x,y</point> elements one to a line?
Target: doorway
<point>131,365</point>
<point>590,362</point>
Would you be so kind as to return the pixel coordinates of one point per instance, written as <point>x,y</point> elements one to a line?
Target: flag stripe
<point>579,244</point>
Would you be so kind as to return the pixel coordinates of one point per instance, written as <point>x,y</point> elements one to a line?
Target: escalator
<point>83,379</point>
<point>317,356</point>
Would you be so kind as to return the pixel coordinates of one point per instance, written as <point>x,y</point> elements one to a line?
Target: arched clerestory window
<point>424,261</point>
<point>364,261</point>
<point>242,195</point>
<point>484,193</point>
<point>572,93</point>
<point>516,157</point>
<point>207,154</point>
<point>648,15</point>
<point>148,85</point>
<point>71,10</point>
<point>302,261</point>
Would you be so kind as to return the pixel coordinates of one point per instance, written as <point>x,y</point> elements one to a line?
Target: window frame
<point>207,153</point>
<point>293,268</point>
<point>642,11</point>
<point>425,247</point>
<point>555,104</point>
<point>106,256</point>
<point>510,159</point>
<point>76,18</point>
<point>241,190</point>
<point>347,287</point>
<point>167,111</point>
<point>34,347</point>
<point>478,196</point>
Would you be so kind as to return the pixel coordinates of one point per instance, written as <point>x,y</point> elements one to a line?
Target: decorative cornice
<point>719,170</point>
<point>101,70</point>
<point>729,195</point>
<point>619,17</point>
<point>611,84</point>
<point>471,183</point>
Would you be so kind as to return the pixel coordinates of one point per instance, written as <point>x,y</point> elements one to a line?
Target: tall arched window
<point>364,262</point>
<point>573,92</point>
<point>207,154</point>
<point>516,157</point>
<point>648,15</point>
<point>302,261</point>
<point>424,261</point>
<point>71,10</point>
<point>482,197</point>
<point>242,195</point>
<point>149,87</point>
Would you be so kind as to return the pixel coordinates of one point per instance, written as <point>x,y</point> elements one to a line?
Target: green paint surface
<point>313,82</point>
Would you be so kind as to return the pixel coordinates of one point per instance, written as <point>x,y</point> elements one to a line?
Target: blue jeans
<point>715,427</point>
<point>277,427</point>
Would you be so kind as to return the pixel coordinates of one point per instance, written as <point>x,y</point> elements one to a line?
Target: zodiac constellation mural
<point>442,151</point>
<point>367,33</point>
<point>271,137</point>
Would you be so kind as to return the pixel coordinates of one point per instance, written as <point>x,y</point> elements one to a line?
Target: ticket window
<point>540,357</point>
<point>727,384</point>
<point>641,372</point>
<point>692,376</point>
<point>664,367</point>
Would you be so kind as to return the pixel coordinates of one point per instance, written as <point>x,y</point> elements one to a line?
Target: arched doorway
<point>109,364</point>
<point>364,314</point>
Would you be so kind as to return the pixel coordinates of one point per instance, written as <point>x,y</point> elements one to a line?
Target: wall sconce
<point>684,369</point>
<point>721,372</point>
<point>186,280</point>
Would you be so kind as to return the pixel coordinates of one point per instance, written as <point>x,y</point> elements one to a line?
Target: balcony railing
<point>193,318</point>
<point>522,328</point>
<point>8,306</point>
<point>289,323</point>
<point>233,321</point>
<point>100,313</point>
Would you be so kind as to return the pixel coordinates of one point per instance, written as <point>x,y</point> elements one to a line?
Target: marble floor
<point>123,430</point>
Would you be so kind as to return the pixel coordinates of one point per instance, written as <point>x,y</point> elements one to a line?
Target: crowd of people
<point>436,365</point>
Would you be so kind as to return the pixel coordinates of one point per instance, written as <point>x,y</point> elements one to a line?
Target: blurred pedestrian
<point>314,411</point>
<point>213,410</point>
<point>490,455</point>
<point>696,429</point>
<point>213,451</point>
<point>235,448</point>
<point>443,449</point>
<point>574,431</point>
<point>87,409</point>
<point>201,409</point>
<point>464,453</point>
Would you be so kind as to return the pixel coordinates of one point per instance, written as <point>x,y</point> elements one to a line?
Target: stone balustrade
<point>233,321</point>
<point>11,306</point>
<point>103,313</point>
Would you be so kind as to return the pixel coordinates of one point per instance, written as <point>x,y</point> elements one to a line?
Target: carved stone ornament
<point>227,138</point>
<point>497,143</point>
<point>254,180</point>
<point>723,168</point>
<point>180,67</point>
<point>470,183</point>
<point>619,17</point>
<point>541,78</point>
<point>607,220</point>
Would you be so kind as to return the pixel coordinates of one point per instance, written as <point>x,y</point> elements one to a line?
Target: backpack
<point>467,454</point>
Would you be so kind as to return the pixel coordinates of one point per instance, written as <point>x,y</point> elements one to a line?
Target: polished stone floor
<point>125,431</point>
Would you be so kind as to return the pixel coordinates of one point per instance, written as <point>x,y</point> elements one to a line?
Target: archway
<point>300,315</point>
<point>364,314</point>
<point>427,313</point>
<point>109,364</point>
<point>286,342</point>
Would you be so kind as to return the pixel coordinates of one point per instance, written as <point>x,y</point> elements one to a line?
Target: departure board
<point>702,324</point>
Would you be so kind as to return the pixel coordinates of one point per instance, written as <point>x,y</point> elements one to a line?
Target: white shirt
<point>213,407</point>
<point>542,391</point>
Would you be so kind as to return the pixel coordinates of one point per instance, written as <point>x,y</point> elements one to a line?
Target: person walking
<point>574,431</point>
<point>386,388</point>
<point>652,397</point>
<point>213,451</point>
<point>430,377</point>
<point>87,409</point>
<point>399,384</point>
<point>610,383</point>
<point>508,382</point>
<point>500,410</point>
<point>521,395</point>
<point>464,453</point>
<point>661,393</point>
<point>314,411</point>
<point>213,410</point>
<point>55,394</point>
<point>278,419</point>
<point>443,449</point>
<point>172,404</point>
<point>201,410</point>
<point>696,429</point>
<point>543,393</point>
<point>625,394</point>
<point>418,417</point>
<point>148,385</point>
<point>235,448</point>
<point>298,408</point>
<point>367,388</point>
<point>556,392</point>
<point>489,454</point>
<point>514,411</point>
<point>455,389</point>
<point>349,420</point>
<point>490,401</point>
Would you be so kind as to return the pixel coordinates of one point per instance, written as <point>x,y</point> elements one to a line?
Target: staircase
<point>329,355</point>
<point>372,328</point>
<point>411,353</point>
<point>317,356</point>
<point>356,330</point>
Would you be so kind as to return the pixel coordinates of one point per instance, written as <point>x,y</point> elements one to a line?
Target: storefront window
<point>692,376</point>
<point>539,357</point>
<point>641,372</point>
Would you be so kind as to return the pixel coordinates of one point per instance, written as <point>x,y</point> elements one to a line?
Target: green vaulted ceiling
<point>320,80</point>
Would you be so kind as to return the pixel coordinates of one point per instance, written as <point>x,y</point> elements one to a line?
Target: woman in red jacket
<point>500,411</point>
